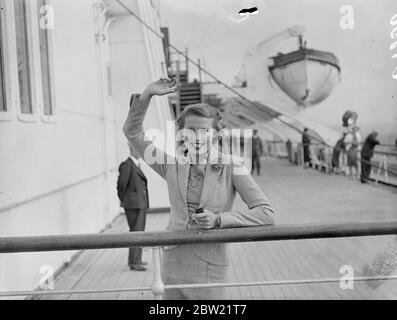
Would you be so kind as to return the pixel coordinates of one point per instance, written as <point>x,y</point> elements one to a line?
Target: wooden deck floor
<point>299,196</point>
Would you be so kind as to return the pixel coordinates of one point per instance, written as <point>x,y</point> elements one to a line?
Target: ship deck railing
<point>384,161</point>
<point>157,240</point>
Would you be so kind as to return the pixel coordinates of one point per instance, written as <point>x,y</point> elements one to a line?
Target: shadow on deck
<point>298,196</point>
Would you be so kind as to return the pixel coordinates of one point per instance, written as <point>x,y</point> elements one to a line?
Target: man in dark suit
<point>306,148</point>
<point>257,152</point>
<point>133,194</point>
<point>367,152</point>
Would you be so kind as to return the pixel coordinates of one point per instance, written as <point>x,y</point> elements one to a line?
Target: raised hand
<point>161,87</point>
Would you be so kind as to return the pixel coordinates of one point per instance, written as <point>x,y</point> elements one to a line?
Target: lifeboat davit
<point>307,76</point>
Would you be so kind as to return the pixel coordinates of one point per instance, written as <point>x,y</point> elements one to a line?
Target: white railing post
<point>301,155</point>
<point>157,283</point>
<point>385,167</point>
<point>376,176</point>
<point>381,164</point>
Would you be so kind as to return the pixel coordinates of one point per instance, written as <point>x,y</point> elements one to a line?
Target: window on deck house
<point>22,35</point>
<point>45,59</point>
<point>3,102</point>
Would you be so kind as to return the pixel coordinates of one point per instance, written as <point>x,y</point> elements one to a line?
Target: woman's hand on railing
<point>160,88</point>
<point>207,220</point>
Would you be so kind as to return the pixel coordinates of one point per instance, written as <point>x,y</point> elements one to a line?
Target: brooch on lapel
<point>217,160</point>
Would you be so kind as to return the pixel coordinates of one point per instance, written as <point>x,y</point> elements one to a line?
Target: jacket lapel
<point>210,181</point>
<point>140,172</point>
<point>183,167</point>
<point>137,169</point>
<point>211,177</point>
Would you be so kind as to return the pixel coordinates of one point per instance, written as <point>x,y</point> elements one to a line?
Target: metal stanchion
<point>157,283</point>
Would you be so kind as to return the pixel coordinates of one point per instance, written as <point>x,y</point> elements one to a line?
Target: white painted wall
<point>53,175</point>
<point>132,47</point>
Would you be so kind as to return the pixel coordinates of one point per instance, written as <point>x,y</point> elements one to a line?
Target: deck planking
<point>298,196</point>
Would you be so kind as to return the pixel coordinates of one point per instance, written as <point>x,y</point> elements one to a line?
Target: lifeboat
<point>307,76</point>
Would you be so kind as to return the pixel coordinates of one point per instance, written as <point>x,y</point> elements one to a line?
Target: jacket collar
<point>214,168</point>
<point>138,169</point>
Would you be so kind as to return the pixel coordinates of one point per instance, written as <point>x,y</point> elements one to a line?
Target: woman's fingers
<point>168,80</point>
<point>201,217</point>
<point>168,85</point>
<point>171,81</point>
<point>175,87</point>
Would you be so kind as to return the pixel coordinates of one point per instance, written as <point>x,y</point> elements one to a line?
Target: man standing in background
<point>306,147</point>
<point>257,152</point>
<point>133,194</point>
<point>367,152</point>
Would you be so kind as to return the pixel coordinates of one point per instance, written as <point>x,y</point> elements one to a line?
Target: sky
<point>213,32</point>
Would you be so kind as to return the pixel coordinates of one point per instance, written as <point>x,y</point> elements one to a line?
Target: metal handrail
<point>194,286</point>
<point>186,237</point>
<point>378,153</point>
<point>361,144</point>
<point>387,153</point>
<point>165,238</point>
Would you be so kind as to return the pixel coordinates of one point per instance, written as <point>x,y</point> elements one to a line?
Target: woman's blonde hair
<point>201,110</point>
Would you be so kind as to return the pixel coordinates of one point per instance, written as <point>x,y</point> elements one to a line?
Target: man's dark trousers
<point>256,163</point>
<point>365,168</point>
<point>257,151</point>
<point>136,219</point>
<point>133,194</point>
